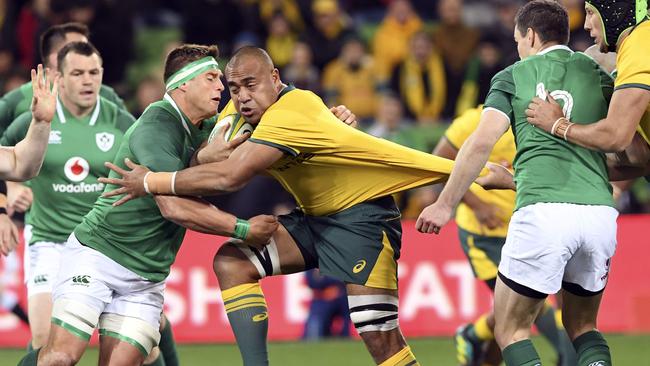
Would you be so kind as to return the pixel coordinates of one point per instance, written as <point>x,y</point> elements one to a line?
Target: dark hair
<point>56,34</point>
<point>186,54</point>
<point>81,48</point>
<point>546,17</point>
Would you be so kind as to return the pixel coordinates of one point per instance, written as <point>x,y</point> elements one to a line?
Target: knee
<point>577,326</point>
<point>225,261</point>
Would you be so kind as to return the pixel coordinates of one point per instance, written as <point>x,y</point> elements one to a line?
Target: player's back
<point>547,168</point>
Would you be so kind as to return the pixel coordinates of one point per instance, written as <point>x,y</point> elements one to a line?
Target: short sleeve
<point>157,142</point>
<point>502,90</point>
<point>17,130</point>
<point>274,131</point>
<point>633,68</point>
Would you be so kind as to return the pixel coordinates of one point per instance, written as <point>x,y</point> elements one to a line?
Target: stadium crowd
<point>406,68</point>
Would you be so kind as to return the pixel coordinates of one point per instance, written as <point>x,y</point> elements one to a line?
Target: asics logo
<point>359,266</point>
<point>261,317</point>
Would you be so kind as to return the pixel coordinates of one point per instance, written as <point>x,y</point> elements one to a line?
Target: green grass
<point>626,350</point>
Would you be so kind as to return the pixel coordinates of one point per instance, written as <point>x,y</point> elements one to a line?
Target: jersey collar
<point>554,48</point>
<point>170,100</point>
<point>93,117</point>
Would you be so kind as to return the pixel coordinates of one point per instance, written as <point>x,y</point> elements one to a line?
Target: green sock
<point>168,345</point>
<point>159,361</point>
<point>556,336</point>
<point>30,346</point>
<point>592,349</point>
<point>248,316</point>
<point>521,353</point>
<point>30,359</point>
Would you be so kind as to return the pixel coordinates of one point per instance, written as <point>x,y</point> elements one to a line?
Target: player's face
<point>69,38</point>
<point>204,92</point>
<point>81,78</point>
<point>254,87</point>
<point>594,26</point>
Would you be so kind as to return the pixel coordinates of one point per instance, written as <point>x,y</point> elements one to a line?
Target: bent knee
<point>231,264</point>
<point>39,337</point>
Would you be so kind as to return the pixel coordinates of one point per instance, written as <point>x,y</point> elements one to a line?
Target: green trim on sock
<point>72,329</point>
<point>521,353</point>
<point>126,339</point>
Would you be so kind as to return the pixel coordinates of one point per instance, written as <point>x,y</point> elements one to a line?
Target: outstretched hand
<point>45,90</point>
<point>262,228</point>
<point>131,182</point>
<point>543,113</point>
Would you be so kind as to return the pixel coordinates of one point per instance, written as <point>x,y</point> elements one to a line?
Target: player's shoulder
<point>298,101</point>
<point>639,36</point>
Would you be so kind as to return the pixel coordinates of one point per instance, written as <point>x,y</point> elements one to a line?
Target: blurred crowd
<point>406,68</point>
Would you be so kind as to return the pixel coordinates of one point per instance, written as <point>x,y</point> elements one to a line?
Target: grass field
<point>626,350</point>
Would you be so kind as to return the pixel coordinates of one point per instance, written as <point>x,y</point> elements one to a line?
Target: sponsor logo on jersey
<point>55,137</point>
<point>359,266</point>
<point>78,188</point>
<point>104,141</point>
<point>76,169</point>
<point>82,280</point>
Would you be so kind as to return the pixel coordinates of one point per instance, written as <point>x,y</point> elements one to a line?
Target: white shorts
<point>90,277</point>
<point>41,264</point>
<point>555,245</point>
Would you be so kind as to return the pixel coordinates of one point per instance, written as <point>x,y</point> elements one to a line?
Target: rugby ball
<point>235,122</point>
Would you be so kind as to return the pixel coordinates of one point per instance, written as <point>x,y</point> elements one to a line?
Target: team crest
<point>104,141</point>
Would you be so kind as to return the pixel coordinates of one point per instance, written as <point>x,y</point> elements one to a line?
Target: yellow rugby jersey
<point>633,68</point>
<point>504,150</point>
<point>329,166</point>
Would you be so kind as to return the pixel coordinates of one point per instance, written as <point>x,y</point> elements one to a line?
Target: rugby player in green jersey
<point>17,101</point>
<point>86,131</point>
<point>562,234</point>
<point>115,263</point>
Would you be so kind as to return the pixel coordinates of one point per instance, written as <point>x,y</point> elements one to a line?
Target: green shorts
<point>359,245</point>
<point>483,253</point>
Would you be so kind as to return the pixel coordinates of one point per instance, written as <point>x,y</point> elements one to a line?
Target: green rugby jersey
<point>19,100</point>
<point>135,234</point>
<point>66,187</point>
<point>547,168</point>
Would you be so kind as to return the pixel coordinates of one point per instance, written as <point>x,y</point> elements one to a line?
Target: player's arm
<point>487,214</point>
<point>229,175</point>
<point>24,160</point>
<point>611,134</point>
<point>472,157</point>
<point>199,215</point>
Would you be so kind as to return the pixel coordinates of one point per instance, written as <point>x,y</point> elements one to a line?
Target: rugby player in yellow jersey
<point>347,223</point>
<point>620,26</point>
<point>482,219</point>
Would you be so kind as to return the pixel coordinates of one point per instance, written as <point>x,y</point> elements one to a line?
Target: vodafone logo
<point>76,169</point>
